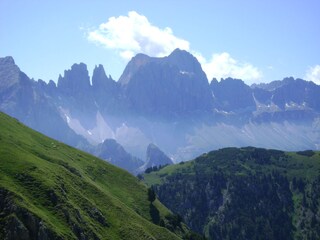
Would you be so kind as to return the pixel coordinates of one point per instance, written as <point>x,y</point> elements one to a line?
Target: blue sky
<point>257,41</point>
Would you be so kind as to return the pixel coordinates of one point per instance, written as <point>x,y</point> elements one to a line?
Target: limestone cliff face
<point>75,94</point>
<point>75,81</point>
<point>166,87</point>
<point>33,102</point>
<point>232,95</point>
<point>9,73</point>
<point>106,91</point>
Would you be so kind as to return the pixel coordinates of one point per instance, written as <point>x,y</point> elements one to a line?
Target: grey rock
<point>21,224</point>
<point>33,103</point>
<point>172,86</point>
<point>114,153</point>
<point>155,158</point>
<point>232,95</point>
<point>106,91</point>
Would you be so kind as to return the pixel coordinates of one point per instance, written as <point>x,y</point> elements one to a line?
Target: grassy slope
<point>66,187</point>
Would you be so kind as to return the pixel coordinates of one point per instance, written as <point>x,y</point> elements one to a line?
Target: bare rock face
<point>114,153</point>
<point>32,102</point>
<point>9,73</point>
<point>75,81</point>
<point>155,157</point>
<point>105,90</point>
<point>74,90</point>
<point>232,95</point>
<point>100,79</point>
<point>20,224</point>
<point>166,87</point>
<point>133,66</point>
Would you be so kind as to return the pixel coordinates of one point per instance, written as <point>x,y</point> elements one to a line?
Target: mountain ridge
<point>167,101</point>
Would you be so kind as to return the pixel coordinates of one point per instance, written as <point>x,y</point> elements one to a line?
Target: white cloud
<point>222,65</point>
<point>134,34</point>
<point>313,74</point>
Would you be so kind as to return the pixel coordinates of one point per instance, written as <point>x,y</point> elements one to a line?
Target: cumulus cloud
<point>134,34</point>
<point>222,65</point>
<point>313,74</point>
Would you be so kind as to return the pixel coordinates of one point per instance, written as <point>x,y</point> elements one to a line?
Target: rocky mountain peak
<point>234,82</point>
<point>7,61</point>
<point>166,87</point>
<point>132,67</point>
<point>156,157</point>
<point>99,70</point>
<point>75,80</point>
<point>105,90</point>
<point>111,151</point>
<point>185,61</point>
<point>232,95</point>
<point>9,72</point>
<point>99,76</point>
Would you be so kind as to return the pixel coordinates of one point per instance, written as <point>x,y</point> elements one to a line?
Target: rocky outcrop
<point>18,223</point>
<point>33,103</point>
<point>172,86</point>
<point>9,73</point>
<point>133,67</point>
<point>155,158</point>
<point>75,81</point>
<point>232,95</point>
<point>106,91</point>
<point>114,153</point>
<point>75,94</point>
<point>299,92</point>
<point>290,99</point>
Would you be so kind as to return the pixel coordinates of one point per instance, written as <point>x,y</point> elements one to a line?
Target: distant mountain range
<point>163,101</point>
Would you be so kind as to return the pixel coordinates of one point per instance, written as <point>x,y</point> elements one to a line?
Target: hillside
<point>245,193</point>
<point>49,190</point>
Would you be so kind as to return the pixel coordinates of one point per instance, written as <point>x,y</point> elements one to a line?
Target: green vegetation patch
<point>245,193</point>
<point>49,188</point>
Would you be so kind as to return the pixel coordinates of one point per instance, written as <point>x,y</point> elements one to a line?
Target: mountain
<point>106,91</point>
<point>166,87</point>
<point>155,158</point>
<point>9,73</point>
<point>232,95</point>
<point>114,153</point>
<point>111,151</point>
<point>32,103</point>
<point>245,193</point>
<point>167,101</point>
<point>290,99</point>
<point>49,190</point>
<point>75,95</point>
